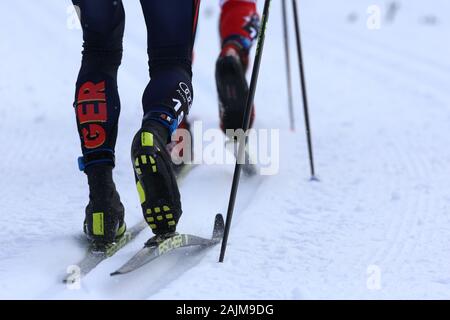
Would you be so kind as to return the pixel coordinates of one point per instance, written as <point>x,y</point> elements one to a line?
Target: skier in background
<point>171,27</point>
<point>238,29</point>
<point>238,26</point>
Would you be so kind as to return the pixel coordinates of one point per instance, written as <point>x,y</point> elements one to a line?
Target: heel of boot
<point>104,221</point>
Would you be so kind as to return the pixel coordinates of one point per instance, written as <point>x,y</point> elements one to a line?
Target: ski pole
<point>288,66</point>
<point>246,125</point>
<point>303,87</point>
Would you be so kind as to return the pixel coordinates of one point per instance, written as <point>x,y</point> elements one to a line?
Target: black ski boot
<point>104,222</point>
<point>155,179</point>
<point>232,89</point>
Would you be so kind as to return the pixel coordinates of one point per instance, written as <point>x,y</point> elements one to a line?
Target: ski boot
<point>232,88</point>
<point>158,239</point>
<point>155,179</point>
<point>104,223</point>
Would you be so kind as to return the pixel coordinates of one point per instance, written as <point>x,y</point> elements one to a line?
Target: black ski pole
<point>288,65</point>
<point>303,87</point>
<point>246,125</point>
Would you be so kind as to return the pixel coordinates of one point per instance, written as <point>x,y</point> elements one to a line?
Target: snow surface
<point>377,225</point>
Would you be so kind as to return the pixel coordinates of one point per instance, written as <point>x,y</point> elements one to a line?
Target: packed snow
<point>376,225</point>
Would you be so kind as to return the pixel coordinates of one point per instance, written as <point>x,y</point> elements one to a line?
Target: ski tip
<point>116,273</point>
<point>219,227</point>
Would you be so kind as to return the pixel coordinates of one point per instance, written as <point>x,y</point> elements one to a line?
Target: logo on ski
<point>172,243</point>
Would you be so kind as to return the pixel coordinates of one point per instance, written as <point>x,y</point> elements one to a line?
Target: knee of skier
<point>106,61</point>
<point>103,31</point>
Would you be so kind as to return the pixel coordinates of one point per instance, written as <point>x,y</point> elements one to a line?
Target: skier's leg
<point>97,109</point>
<point>239,24</point>
<point>171,26</point>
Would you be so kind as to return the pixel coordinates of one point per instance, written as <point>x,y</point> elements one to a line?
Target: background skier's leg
<point>239,24</point>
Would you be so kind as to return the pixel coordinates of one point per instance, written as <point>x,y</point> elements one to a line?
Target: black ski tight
<point>171,26</point>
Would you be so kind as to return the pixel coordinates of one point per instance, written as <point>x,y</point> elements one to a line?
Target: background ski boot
<point>232,89</point>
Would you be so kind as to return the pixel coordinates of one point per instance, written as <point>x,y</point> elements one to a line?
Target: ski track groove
<point>410,78</point>
<point>398,242</point>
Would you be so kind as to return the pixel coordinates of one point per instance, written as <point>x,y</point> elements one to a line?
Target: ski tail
<point>219,227</point>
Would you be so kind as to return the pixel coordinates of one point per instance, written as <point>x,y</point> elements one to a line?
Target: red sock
<point>239,25</point>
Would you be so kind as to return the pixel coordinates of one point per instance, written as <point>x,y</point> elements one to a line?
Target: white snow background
<point>376,226</point>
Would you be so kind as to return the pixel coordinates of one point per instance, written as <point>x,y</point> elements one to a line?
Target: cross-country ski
<point>155,249</point>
